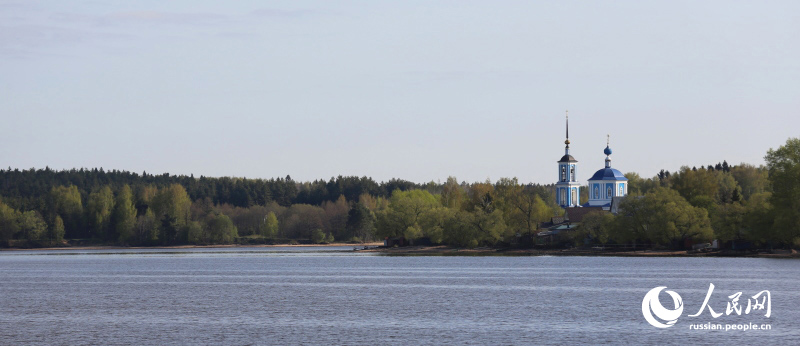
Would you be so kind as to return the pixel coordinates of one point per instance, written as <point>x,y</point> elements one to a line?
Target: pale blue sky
<point>418,90</point>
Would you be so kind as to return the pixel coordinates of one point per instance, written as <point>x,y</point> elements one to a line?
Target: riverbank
<point>451,251</point>
<point>104,247</point>
<point>443,250</point>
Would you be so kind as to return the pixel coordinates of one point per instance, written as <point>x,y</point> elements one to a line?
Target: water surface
<point>311,295</point>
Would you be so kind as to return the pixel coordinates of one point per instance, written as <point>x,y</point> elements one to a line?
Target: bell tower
<point>567,188</point>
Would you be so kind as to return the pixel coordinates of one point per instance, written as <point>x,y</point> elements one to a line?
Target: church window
<point>563,173</point>
<point>596,192</point>
<point>610,192</point>
<point>572,172</point>
<point>621,189</point>
<point>574,196</point>
<point>563,196</point>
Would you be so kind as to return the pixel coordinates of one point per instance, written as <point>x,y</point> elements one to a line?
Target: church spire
<point>566,150</point>
<point>607,151</point>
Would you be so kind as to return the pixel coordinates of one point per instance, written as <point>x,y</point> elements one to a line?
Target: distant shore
<point>109,247</point>
<point>451,251</point>
<point>443,250</point>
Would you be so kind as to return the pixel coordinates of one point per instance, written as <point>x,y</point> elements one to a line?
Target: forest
<point>743,204</point>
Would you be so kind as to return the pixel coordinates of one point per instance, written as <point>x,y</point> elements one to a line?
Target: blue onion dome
<point>607,151</point>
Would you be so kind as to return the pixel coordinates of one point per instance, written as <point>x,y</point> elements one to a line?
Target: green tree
<point>31,226</point>
<point>663,217</point>
<point>318,236</point>
<point>727,188</point>
<point>729,222</point>
<point>752,179</point>
<point>460,230</point>
<point>708,203</point>
<point>270,226</point>
<point>337,213</point>
<point>300,220</point>
<point>66,202</point>
<point>470,229</point>
<point>691,184</point>
<point>638,186</point>
<point>406,209</point>
<point>168,230</point>
<point>596,226</point>
<point>452,194</point>
<point>434,222</point>
<point>491,227</point>
<point>784,175</point>
<point>523,207</point>
<point>221,229</point>
<point>373,203</point>
<point>507,192</point>
<point>194,233</point>
<point>481,196</point>
<point>759,218</point>
<point>413,232</point>
<point>361,222</point>
<point>124,215</point>
<point>98,209</point>
<point>8,223</point>
<point>146,229</point>
<point>55,233</point>
<point>174,202</point>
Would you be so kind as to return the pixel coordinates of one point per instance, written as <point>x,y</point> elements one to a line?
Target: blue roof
<point>608,174</point>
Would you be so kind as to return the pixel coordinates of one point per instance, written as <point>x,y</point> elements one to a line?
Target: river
<point>332,296</point>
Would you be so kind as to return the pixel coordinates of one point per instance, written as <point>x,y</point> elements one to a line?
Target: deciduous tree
<point>784,175</point>
<point>124,215</point>
<point>406,209</point>
<point>270,226</point>
<point>663,217</point>
<point>98,213</point>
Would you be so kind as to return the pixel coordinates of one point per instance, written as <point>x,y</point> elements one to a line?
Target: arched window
<point>574,197</point>
<point>572,173</point>
<point>563,173</point>
<point>610,192</point>
<point>621,189</point>
<point>596,192</point>
<point>563,196</point>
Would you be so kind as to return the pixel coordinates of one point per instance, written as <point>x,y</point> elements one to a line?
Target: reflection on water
<point>310,295</point>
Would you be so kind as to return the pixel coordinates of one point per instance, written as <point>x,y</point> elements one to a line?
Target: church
<point>606,185</point>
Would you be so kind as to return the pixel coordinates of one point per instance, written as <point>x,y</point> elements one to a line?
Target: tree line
<point>741,206</point>
<point>744,203</point>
